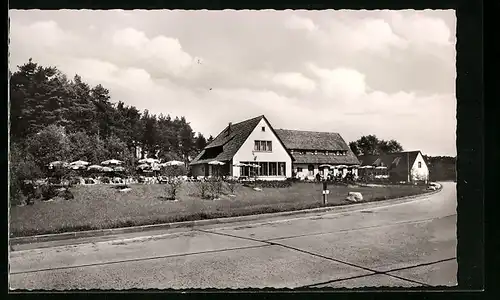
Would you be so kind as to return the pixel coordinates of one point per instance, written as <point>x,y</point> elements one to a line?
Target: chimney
<point>229,128</point>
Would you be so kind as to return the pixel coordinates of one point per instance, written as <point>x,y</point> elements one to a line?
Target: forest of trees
<point>53,118</point>
<point>371,145</point>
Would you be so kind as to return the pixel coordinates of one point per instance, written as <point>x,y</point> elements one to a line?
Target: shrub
<point>231,186</point>
<point>214,187</point>
<point>46,192</point>
<point>172,188</point>
<point>74,181</point>
<point>203,189</point>
<point>174,171</point>
<point>66,194</point>
<point>22,168</point>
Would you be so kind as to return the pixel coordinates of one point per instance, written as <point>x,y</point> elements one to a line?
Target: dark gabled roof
<point>312,140</point>
<point>393,161</point>
<point>320,158</point>
<point>228,142</point>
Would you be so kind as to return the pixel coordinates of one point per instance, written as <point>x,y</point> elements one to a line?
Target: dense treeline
<point>371,145</point>
<point>441,167</point>
<point>53,118</point>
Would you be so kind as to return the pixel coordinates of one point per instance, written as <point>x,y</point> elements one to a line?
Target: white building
<point>252,148</point>
<point>400,166</point>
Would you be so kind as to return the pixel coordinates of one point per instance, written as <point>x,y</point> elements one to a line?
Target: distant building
<point>252,148</point>
<point>401,166</point>
<point>318,152</point>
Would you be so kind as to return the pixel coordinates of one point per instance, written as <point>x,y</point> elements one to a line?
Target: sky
<point>355,72</point>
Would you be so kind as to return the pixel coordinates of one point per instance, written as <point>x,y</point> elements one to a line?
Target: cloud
<point>164,54</point>
<point>292,80</point>
<point>296,22</point>
<point>340,83</point>
<point>44,34</point>
<point>420,29</point>
<point>367,34</point>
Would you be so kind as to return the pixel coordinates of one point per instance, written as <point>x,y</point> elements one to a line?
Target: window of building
<point>420,164</point>
<point>256,146</point>
<point>264,169</point>
<point>273,169</point>
<point>299,169</point>
<point>310,169</point>
<point>245,171</point>
<point>263,128</point>
<point>281,168</point>
<point>263,146</point>
<point>260,172</point>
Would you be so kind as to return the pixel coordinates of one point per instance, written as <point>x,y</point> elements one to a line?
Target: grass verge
<point>104,207</point>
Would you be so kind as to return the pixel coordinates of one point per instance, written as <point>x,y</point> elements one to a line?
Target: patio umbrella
<point>143,166</point>
<point>241,165</point>
<point>340,166</point>
<point>381,168</point>
<point>107,169</point>
<point>58,163</point>
<point>79,163</point>
<point>77,167</point>
<point>119,169</point>
<point>174,163</point>
<point>95,167</point>
<point>112,162</point>
<point>148,161</point>
<point>326,166</point>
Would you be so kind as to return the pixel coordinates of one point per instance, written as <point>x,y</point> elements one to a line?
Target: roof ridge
<point>246,120</point>
<point>330,132</point>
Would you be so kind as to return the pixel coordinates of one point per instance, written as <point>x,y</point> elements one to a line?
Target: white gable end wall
<point>246,152</point>
<point>422,173</point>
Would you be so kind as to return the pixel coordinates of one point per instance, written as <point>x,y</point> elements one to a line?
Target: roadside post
<point>325,193</point>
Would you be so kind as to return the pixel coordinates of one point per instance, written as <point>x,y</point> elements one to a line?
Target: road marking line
<point>361,228</point>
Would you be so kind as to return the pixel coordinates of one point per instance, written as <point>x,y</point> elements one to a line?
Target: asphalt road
<point>411,244</point>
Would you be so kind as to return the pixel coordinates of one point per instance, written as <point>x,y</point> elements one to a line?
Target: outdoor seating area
<point>113,171</point>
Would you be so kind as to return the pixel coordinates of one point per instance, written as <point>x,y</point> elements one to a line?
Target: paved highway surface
<point>411,244</point>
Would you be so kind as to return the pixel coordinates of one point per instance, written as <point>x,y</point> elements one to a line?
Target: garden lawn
<point>102,206</point>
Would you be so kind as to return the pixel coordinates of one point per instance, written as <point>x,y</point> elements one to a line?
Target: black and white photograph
<point>232,149</point>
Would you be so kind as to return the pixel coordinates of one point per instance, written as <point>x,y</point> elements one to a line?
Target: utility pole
<point>325,193</point>
<point>408,165</point>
